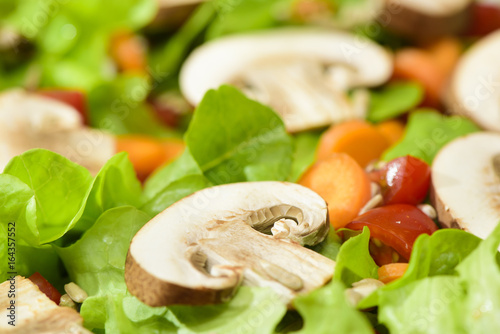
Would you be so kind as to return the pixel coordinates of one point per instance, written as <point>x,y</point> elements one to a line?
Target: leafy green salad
<point>70,224</point>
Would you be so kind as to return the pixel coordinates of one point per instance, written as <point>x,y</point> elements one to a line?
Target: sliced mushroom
<point>466,183</point>
<point>303,74</point>
<point>33,311</point>
<point>201,248</point>
<point>475,86</point>
<point>426,19</point>
<point>29,121</point>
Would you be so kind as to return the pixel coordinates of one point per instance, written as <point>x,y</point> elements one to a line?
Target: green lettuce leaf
<point>394,100</point>
<point>354,261</point>
<point>326,310</point>
<point>329,247</point>
<point>438,254</point>
<point>251,310</point>
<point>467,302</point>
<point>233,139</point>
<point>59,190</point>
<point>427,132</point>
<point>115,185</point>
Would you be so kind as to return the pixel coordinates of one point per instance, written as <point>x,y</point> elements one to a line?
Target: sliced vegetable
<point>485,18</point>
<point>405,180</point>
<point>391,271</point>
<point>47,288</point>
<point>129,51</point>
<point>397,226</point>
<point>358,139</point>
<point>342,183</point>
<point>392,130</point>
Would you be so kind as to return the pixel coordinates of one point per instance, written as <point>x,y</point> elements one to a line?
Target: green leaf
<point>329,247</point>
<point>427,132</point>
<point>115,185</point>
<point>438,254</point>
<point>304,153</point>
<point>326,310</point>
<point>354,261</point>
<point>251,310</point>
<point>394,100</point>
<point>174,192</point>
<point>233,139</point>
<point>466,302</point>
<point>60,188</point>
<point>428,306</point>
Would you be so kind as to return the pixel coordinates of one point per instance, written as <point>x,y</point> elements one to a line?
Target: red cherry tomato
<point>397,226</point>
<point>485,19</point>
<point>46,287</point>
<point>404,180</point>
<point>74,98</point>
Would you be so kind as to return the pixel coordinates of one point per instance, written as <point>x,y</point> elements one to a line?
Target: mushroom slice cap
<point>466,183</point>
<point>201,248</point>
<point>303,74</point>
<point>475,86</point>
<point>426,19</point>
<point>220,61</point>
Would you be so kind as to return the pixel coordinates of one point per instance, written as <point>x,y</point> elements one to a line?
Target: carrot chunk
<point>129,52</point>
<point>342,183</point>
<point>392,130</point>
<point>359,139</point>
<point>146,153</point>
<point>392,271</point>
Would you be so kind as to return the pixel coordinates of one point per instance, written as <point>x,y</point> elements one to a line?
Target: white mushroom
<point>303,74</point>
<point>201,248</point>
<point>29,121</point>
<point>466,183</point>
<point>426,19</point>
<point>31,311</point>
<point>475,86</point>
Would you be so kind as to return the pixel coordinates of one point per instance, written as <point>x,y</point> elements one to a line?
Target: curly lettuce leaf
<point>466,302</point>
<point>251,310</point>
<point>438,254</point>
<point>394,100</point>
<point>427,132</point>
<point>326,310</point>
<point>354,261</point>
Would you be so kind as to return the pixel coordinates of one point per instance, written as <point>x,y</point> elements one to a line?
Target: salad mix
<point>121,67</point>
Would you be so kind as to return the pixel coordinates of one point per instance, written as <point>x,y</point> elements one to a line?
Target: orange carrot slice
<point>446,53</point>
<point>419,65</point>
<point>342,183</point>
<point>359,139</point>
<point>129,52</point>
<point>392,271</point>
<point>147,154</point>
<point>392,130</point>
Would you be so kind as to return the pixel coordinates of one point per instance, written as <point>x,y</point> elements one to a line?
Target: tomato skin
<point>485,19</point>
<point>74,98</point>
<point>397,226</point>
<point>405,180</point>
<point>47,288</point>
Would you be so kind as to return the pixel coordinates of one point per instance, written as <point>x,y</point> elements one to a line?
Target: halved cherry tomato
<point>404,180</point>
<point>397,226</point>
<point>485,19</point>
<point>74,98</point>
<point>46,287</point>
